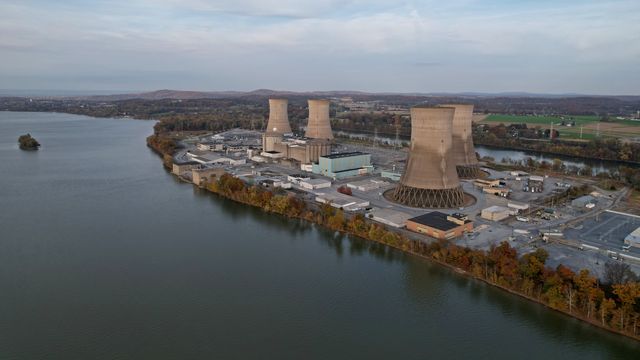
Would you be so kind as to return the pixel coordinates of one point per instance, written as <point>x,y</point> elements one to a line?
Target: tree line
<point>613,305</point>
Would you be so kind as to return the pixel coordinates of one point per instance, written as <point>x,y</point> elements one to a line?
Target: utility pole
<point>581,132</point>
<point>551,132</point>
<point>598,129</point>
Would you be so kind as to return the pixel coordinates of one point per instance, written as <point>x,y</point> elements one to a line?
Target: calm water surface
<point>103,255</point>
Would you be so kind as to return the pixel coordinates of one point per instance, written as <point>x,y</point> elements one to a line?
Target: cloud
<point>345,42</point>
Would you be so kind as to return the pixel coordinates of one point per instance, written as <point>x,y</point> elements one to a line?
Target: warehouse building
<point>343,165</point>
<point>342,201</point>
<point>633,239</point>
<point>440,226</point>
<point>397,219</point>
<point>495,213</point>
<point>314,184</point>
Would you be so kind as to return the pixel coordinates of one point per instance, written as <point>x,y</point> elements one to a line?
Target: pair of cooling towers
<point>318,127</point>
<point>441,151</point>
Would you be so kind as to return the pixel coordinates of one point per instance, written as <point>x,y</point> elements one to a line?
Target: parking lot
<point>606,231</point>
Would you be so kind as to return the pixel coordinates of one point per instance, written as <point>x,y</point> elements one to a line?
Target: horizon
<point>463,46</point>
<point>63,93</point>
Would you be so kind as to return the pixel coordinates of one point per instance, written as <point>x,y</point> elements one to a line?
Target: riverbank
<point>574,294</point>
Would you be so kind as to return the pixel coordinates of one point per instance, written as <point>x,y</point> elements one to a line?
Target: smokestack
<point>464,153</point>
<point>430,179</point>
<point>278,117</point>
<point>319,126</point>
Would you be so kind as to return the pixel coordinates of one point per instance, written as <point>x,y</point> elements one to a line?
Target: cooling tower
<point>430,179</point>
<point>464,153</point>
<point>278,117</point>
<point>319,126</point>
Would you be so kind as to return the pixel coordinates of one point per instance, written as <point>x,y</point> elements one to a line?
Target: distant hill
<point>191,95</point>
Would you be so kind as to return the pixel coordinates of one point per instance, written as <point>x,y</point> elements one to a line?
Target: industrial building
<point>367,185</point>
<point>314,184</point>
<point>440,225</point>
<point>397,219</point>
<point>305,151</point>
<point>343,165</point>
<point>633,239</point>
<point>279,139</point>
<point>463,151</point>
<point>583,201</point>
<point>495,213</point>
<point>184,167</point>
<point>342,201</point>
<point>204,176</point>
<point>430,179</point>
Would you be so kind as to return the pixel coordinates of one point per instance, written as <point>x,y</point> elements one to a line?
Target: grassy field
<point>591,126</point>
<point>541,120</point>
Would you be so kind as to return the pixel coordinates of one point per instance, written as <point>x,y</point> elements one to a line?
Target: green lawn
<point>541,120</point>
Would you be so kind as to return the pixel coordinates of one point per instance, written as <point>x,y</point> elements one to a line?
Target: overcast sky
<point>548,46</point>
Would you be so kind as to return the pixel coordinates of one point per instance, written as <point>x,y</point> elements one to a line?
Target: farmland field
<point>591,126</point>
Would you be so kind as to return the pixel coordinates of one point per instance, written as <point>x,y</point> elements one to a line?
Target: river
<point>104,255</point>
<point>499,154</point>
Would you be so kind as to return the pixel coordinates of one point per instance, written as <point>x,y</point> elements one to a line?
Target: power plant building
<point>430,179</point>
<point>277,141</point>
<point>343,165</point>
<point>463,151</point>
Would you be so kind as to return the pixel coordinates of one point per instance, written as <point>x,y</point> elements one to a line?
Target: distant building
<point>342,201</point>
<point>202,177</point>
<point>314,184</point>
<point>440,225</point>
<point>184,167</point>
<point>367,185</point>
<point>495,213</point>
<point>397,219</point>
<point>583,201</point>
<point>343,165</point>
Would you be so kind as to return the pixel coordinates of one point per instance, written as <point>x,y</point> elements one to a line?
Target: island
<point>27,142</point>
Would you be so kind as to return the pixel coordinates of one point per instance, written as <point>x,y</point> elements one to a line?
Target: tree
<point>628,293</point>
<point>618,273</point>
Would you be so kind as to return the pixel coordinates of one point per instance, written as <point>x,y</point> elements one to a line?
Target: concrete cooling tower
<point>319,126</point>
<point>464,153</point>
<point>278,117</point>
<point>430,179</point>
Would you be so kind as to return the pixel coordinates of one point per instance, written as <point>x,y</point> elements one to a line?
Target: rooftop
<point>436,220</point>
<point>343,155</point>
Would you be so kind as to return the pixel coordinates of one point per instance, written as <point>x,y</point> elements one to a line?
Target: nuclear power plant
<point>430,179</point>
<point>464,153</point>
<point>319,126</point>
<point>278,140</point>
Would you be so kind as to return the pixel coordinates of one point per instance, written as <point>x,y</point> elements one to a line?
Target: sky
<point>538,46</point>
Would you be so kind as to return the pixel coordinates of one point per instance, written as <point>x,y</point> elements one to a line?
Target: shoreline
<point>393,239</point>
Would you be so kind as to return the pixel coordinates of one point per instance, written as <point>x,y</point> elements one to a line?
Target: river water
<point>104,255</point>
<point>498,154</point>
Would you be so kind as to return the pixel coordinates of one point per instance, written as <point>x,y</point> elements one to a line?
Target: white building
<point>397,219</point>
<point>495,213</point>
<point>314,184</point>
<point>342,201</point>
<point>633,239</point>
